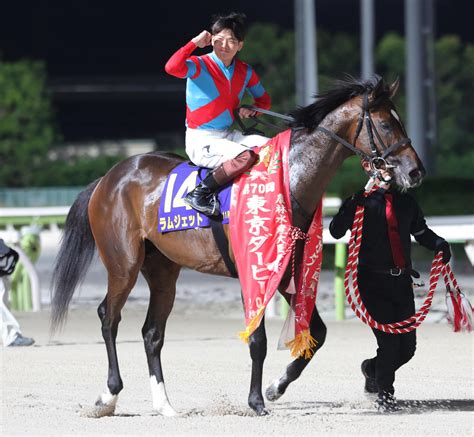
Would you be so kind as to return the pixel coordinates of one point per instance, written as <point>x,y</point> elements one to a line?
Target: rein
<point>357,304</point>
<point>364,118</point>
<point>256,121</point>
<point>377,159</point>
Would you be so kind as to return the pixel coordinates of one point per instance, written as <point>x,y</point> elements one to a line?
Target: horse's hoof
<point>98,410</point>
<point>258,407</point>
<point>166,410</point>
<point>104,406</point>
<point>262,412</point>
<point>272,393</point>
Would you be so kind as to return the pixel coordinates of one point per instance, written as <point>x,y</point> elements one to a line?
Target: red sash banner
<point>263,241</point>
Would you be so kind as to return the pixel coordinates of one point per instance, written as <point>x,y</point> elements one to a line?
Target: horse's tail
<point>74,256</point>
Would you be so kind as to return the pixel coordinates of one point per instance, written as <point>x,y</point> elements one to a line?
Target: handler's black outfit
<point>387,291</point>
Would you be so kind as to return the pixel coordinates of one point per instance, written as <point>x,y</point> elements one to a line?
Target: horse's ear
<point>394,87</point>
<point>378,89</point>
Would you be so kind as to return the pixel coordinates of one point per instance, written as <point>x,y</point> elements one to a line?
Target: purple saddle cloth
<point>174,214</point>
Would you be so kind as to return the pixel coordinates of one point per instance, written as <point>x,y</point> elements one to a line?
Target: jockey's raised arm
<point>215,86</point>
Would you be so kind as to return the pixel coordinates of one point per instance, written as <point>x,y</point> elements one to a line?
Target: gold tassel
<point>252,326</point>
<point>302,345</point>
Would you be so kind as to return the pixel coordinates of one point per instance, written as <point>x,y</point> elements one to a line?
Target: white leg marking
<point>108,398</point>
<point>272,392</point>
<point>160,399</point>
<point>104,406</point>
<point>395,115</point>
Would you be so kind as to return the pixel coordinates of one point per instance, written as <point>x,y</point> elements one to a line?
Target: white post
<point>34,279</point>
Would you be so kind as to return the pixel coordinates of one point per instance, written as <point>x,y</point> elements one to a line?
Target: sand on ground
<point>207,374</point>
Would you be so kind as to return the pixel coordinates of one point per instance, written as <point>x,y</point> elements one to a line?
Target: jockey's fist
<point>246,113</point>
<point>203,39</point>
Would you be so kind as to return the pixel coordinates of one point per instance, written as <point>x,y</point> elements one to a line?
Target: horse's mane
<point>343,90</point>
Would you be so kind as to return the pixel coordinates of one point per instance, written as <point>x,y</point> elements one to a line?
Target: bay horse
<point>118,215</point>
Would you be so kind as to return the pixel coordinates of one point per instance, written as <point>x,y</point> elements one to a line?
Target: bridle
<point>377,159</point>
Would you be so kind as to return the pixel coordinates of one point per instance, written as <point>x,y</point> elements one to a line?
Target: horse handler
<point>385,274</point>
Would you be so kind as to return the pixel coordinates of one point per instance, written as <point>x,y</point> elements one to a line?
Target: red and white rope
<point>356,302</point>
<point>294,234</point>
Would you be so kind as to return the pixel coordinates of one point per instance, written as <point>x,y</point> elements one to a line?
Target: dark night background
<point>121,48</point>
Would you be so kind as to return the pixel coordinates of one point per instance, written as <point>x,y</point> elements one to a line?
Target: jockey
<point>215,86</point>
<point>385,275</point>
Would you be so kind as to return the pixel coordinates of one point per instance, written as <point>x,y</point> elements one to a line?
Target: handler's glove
<point>444,247</point>
<point>358,199</point>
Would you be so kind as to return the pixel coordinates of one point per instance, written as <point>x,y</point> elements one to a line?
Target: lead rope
<point>358,306</point>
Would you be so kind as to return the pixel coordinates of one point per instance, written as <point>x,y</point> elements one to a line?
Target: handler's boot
<point>370,383</point>
<point>21,341</point>
<point>204,198</point>
<point>385,402</point>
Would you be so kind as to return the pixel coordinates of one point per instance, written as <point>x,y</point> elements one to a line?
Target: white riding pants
<point>210,148</point>
<point>8,324</point>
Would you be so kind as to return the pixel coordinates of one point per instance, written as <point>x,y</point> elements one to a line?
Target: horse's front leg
<point>293,371</point>
<point>258,352</point>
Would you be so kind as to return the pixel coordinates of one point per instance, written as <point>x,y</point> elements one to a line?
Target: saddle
<point>174,215</point>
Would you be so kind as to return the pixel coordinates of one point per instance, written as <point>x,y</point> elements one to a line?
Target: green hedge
<point>446,196</point>
<point>436,195</point>
<point>80,171</point>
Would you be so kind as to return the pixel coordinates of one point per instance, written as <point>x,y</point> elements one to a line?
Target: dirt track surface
<point>207,373</point>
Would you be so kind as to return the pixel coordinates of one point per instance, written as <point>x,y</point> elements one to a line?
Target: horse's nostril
<point>415,174</point>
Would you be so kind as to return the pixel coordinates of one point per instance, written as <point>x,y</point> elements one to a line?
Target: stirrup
<point>216,207</point>
<point>211,208</point>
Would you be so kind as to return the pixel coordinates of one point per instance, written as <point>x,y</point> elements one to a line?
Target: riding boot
<point>204,198</point>
<point>234,167</point>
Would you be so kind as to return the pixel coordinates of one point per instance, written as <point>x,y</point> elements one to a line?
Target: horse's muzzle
<point>408,174</point>
<point>416,176</point>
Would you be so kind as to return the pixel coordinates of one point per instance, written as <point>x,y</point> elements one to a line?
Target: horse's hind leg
<point>258,352</point>
<point>123,270</point>
<point>294,369</point>
<point>161,275</point>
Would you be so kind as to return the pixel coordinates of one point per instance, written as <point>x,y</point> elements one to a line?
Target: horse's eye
<point>386,126</point>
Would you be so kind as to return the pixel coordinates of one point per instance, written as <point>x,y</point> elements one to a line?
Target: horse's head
<point>380,137</point>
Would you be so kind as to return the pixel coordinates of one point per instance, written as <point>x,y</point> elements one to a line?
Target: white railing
<point>34,211</point>
<point>455,229</point>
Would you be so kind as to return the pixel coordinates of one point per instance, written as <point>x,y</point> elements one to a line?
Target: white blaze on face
<point>395,115</point>
<point>160,399</point>
<point>108,398</point>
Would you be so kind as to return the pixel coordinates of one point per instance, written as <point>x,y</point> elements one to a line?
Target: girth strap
<point>222,244</point>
